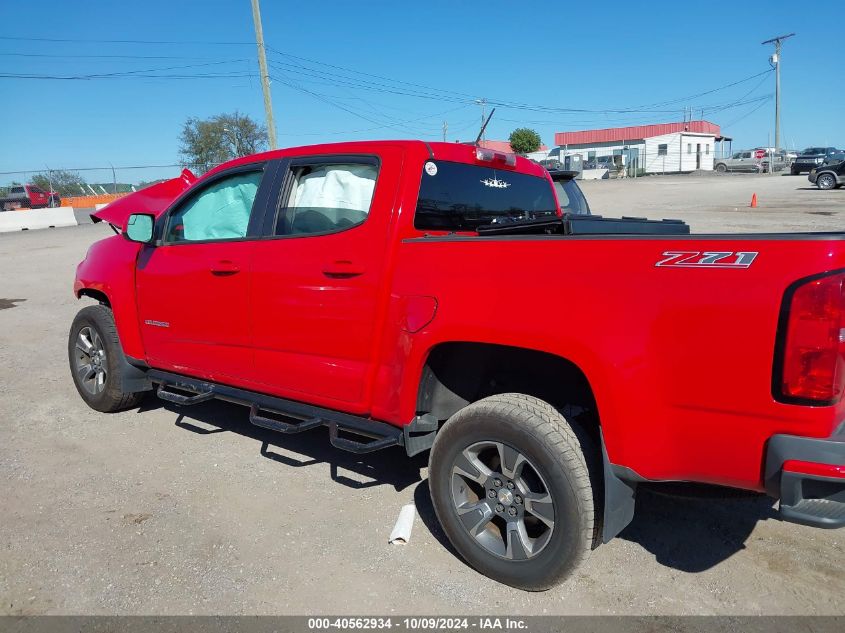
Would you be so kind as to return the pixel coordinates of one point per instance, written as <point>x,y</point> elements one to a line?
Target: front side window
<point>461,197</point>
<point>327,197</point>
<point>219,211</point>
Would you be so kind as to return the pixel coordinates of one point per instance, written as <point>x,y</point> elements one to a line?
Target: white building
<point>650,149</point>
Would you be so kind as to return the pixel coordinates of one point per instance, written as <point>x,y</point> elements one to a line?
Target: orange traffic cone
<point>754,201</point>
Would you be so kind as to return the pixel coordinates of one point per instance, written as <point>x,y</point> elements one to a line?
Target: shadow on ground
<point>688,528</point>
<point>692,528</point>
<point>389,466</point>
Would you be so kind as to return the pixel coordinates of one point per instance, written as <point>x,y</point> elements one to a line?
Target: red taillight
<point>813,357</point>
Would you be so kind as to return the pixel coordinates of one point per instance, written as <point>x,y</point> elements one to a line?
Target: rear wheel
<point>96,361</point>
<point>826,181</point>
<point>511,488</point>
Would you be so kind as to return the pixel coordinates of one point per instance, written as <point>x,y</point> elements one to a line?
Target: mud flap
<point>619,499</point>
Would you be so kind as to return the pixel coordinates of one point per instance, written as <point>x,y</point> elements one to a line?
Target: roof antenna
<point>484,127</point>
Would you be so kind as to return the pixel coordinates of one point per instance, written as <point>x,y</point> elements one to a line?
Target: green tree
<point>209,142</point>
<point>67,183</point>
<point>524,141</point>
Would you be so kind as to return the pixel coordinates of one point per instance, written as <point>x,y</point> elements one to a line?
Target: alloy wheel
<point>502,500</point>
<point>90,357</point>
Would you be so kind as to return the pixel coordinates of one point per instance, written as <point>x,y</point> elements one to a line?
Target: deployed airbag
<point>332,196</point>
<point>221,211</point>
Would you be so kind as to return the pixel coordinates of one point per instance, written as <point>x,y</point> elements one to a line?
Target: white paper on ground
<point>401,533</point>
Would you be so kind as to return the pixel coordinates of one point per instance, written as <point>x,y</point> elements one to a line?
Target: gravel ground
<point>153,511</point>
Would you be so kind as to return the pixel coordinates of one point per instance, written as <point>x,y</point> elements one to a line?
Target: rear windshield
<point>461,197</point>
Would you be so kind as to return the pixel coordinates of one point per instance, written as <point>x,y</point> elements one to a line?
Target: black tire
<point>53,202</point>
<point>795,172</point>
<point>721,168</point>
<point>537,432</point>
<point>826,181</point>
<point>98,322</point>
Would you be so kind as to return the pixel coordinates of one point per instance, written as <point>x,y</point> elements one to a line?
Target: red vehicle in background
<point>433,296</point>
<point>29,197</point>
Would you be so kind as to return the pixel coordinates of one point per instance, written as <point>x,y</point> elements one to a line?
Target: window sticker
<point>430,168</point>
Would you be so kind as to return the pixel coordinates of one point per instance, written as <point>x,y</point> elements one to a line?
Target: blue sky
<point>565,65</point>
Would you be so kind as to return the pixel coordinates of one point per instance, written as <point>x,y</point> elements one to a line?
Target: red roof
<point>634,132</point>
<point>503,146</point>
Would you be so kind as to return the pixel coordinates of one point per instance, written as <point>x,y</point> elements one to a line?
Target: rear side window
<point>16,190</point>
<point>461,197</point>
<point>570,198</point>
<point>219,211</point>
<point>327,197</point>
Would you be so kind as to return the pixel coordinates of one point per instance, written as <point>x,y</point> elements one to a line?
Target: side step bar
<point>289,416</point>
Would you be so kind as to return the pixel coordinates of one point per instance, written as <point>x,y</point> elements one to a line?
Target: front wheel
<point>96,361</point>
<point>721,168</point>
<point>510,485</point>
<point>826,181</point>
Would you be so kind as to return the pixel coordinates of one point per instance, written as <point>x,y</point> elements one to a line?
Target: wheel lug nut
<point>497,483</point>
<point>512,511</point>
<point>510,485</point>
<point>491,493</point>
<point>499,507</point>
<point>518,499</point>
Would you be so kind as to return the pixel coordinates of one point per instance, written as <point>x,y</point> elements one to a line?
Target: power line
<point>69,57</point>
<point>101,41</point>
<point>749,113</point>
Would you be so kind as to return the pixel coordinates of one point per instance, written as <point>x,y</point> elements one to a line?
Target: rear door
<point>318,291</point>
<point>193,287</point>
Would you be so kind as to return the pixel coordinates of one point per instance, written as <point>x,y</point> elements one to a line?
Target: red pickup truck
<point>29,197</point>
<point>423,295</point>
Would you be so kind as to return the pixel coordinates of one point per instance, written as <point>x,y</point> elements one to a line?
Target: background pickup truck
<point>434,296</point>
<point>28,197</point>
<point>811,158</point>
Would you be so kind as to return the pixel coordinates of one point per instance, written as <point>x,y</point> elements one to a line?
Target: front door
<point>318,294</point>
<point>193,286</point>
<point>698,156</point>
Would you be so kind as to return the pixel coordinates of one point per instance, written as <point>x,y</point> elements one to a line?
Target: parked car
<point>29,197</point>
<point>830,176</point>
<point>834,158</point>
<point>743,161</point>
<point>431,296</point>
<point>811,158</point>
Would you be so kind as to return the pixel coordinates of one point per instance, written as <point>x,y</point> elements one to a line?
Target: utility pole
<point>445,130</point>
<point>265,78</point>
<point>483,103</point>
<point>774,60</point>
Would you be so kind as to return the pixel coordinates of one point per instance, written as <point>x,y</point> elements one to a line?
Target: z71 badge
<point>708,259</point>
